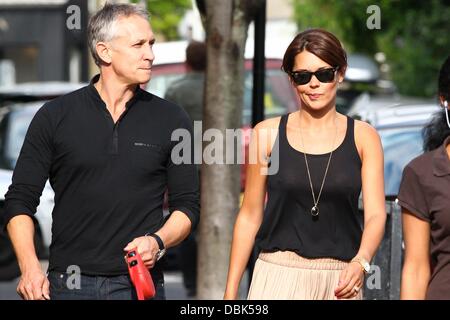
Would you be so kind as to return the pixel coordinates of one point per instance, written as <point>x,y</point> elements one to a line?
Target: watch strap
<point>362,262</point>
<point>158,240</point>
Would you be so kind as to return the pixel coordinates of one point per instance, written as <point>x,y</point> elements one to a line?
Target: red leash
<point>140,276</point>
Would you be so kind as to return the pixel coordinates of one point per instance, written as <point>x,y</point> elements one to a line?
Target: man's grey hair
<point>101,26</point>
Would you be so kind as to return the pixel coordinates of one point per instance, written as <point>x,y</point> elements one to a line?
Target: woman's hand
<point>350,281</point>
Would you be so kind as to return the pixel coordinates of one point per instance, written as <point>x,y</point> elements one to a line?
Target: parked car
<point>18,105</point>
<point>400,129</point>
<point>366,105</point>
<point>35,91</point>
<point>362,75</point>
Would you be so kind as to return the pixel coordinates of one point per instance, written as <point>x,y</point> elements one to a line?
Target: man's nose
<point>148,53</point>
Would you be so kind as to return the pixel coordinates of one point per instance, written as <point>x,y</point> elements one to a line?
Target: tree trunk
<point>226,25</point>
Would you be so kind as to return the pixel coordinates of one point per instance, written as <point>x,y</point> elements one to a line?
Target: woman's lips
<point>314,96</point>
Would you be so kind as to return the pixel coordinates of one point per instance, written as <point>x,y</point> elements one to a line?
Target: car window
<point>400,146</point>
<point>278,99</point>
<point>16,129</point>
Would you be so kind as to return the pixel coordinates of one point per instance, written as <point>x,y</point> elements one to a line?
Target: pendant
<point>315,211</point>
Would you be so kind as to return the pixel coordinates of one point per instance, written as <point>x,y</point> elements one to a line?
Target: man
<point>106,149</point>
<point>188,93</point>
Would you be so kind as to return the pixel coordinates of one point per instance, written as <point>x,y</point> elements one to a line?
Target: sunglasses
<point>323,75</point>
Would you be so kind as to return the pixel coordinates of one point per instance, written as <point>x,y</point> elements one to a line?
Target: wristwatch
<point>162,250</point>
<point>365,265</point>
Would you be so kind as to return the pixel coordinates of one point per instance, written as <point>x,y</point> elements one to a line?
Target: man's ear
<point>103,52</point>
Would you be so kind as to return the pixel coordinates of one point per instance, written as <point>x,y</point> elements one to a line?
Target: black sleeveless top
<point>288,224</point>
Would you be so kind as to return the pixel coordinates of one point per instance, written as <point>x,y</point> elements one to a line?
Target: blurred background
<point>395,49</point>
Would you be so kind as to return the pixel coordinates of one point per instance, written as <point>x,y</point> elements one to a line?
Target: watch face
<point>160,254</point>
<point>366,266</point>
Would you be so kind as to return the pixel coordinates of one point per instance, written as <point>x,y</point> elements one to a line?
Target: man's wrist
<point>30,264</point>
<point>161,246</point>
<point>158,239</point>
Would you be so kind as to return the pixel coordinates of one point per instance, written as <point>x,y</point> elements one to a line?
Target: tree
<point>413,35</point>
<point>416,44</point>
<point>226,25</point>
<point>166,15</point>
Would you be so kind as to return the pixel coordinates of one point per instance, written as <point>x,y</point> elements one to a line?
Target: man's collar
<point>441,161</point>
<point>94,91</point>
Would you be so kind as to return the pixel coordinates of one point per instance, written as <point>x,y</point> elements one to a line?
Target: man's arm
<point>175,230</point>
<point>22,199</point>
<point>184,205</point>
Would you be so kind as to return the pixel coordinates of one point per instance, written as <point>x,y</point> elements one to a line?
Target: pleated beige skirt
<point>284,275</point>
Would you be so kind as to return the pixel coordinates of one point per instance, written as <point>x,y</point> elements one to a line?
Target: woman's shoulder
<point>364,128</point>
<point>367,139</point>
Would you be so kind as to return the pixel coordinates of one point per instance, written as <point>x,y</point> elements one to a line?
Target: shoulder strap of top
<point>350,136</point>
<point>350,128</point>
<point>281,132</point>
<point>282,129</point>
<point>283,123</point>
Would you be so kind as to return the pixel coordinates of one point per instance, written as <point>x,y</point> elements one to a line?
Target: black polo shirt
<point>109,179</point>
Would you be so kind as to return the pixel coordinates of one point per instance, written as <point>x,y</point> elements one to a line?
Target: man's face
<point>131,50</point>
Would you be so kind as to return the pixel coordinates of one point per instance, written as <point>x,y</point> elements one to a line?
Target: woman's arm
<point>372,174</point>
<point>250,215</point>
<point>416,268</point>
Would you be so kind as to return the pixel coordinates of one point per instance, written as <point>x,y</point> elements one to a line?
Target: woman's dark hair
<point>437,130</point>
<point>319,42</point>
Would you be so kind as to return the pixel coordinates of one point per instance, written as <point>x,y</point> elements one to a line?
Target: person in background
<point>425,200</point>
<point>188,92</point>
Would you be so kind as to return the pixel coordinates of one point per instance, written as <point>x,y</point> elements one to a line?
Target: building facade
<point>43,41</point>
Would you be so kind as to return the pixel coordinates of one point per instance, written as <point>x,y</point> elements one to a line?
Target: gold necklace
<point>315,208</point>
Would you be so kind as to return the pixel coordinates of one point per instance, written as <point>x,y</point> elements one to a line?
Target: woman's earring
<point>446,113</point>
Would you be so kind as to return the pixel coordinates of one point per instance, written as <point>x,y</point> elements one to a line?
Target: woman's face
<point>315,95</point>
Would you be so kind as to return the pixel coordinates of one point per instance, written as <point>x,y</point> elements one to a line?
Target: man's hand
<point>34,285</point>
<point>147,247</point>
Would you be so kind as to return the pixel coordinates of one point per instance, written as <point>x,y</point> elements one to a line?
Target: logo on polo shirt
<point>147,145</point>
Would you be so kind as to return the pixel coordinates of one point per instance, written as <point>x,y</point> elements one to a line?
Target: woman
<point>425,200</point>
<point>310,236</point>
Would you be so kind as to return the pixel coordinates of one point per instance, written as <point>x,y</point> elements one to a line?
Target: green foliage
<point>165,15</point>
<point>417,47</point>
<point>414,35</point>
